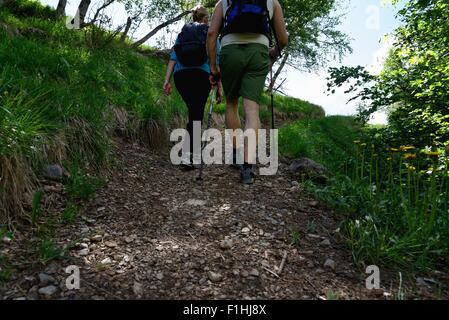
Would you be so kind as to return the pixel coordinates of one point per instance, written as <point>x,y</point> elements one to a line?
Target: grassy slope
<point>63,94</point>
<point>327,140</point>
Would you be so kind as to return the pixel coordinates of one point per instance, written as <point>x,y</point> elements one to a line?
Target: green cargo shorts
<point>244,69</point>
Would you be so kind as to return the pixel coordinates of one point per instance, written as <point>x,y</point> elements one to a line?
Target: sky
<point>367,22</point>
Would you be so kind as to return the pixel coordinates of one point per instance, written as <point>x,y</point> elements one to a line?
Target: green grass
<point>58,98</point>
<point>69,214</point>
<point>82,186</point>
<point>326,140</point>
<point>393,202</point>
<point>36,206</point>
<point>48,251</point>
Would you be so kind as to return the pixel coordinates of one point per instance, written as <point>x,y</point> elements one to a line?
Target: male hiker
<point>246,50</point>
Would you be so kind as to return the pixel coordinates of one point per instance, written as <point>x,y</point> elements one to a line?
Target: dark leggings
<point>194,87</point>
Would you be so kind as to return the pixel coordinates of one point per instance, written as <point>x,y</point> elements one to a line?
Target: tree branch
<point>159,27</point>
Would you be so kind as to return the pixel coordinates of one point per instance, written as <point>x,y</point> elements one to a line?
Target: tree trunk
<point>159,27</point>
<point>60,9</point>
<point>125,33</point>
<point>279,70</point>
<point>82,10</point>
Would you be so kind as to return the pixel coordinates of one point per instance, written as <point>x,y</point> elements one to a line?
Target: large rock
<point>54,172</point>
<point>309,169</point>
<point>10,30</point>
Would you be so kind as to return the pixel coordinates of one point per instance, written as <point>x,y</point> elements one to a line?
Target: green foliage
<point>48,251</point>
<point>295,237</point>
<point>413,85</point>
<point>81,185</point>
<point>326,140</point>
<point>30,8</point>
<point>36,206</point>
<point>5,274</point>
<point>69,214</point>
<point>58,97</point>
<point>314,37</point>
<point>396,203</point>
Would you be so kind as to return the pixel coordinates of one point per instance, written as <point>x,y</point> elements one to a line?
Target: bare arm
<point>279,24</point>
<point>167,85</point>
<point>170,68</point>
<point>212,36</point>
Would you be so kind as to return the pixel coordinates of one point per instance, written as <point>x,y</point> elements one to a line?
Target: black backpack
<point>191,47</point>
<point>245,16</point>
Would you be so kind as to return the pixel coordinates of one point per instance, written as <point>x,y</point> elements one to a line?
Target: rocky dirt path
<point>153,232</point>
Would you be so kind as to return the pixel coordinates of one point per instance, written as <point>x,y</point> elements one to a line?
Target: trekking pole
<point>272,97</point>
<point>203,143</point>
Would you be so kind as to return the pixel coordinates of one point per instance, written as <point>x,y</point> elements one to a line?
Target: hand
<point>167,88</point>
<point>274,54</point>
<point>215,76</point>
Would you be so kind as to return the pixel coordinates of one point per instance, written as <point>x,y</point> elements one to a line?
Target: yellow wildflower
<point>409,156</point>
<point>407,148</point>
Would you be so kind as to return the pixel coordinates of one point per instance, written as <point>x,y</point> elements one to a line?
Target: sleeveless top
<point>244,38</point>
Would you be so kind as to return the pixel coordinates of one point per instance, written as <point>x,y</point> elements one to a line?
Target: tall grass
<point>58,98</point>
<point>327,140</point>
<point>394,199</point>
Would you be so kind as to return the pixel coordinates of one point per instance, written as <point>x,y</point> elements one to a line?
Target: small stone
<point>83,252</point>
<point>196,202</point>
<point>244,274</point>
<point>110,244</point>
<point>101,209</point>
<point>159,276</point>
<point>82,245</point>
<point>129,239</point>
<point>214,276</point>
<point>159,248</point>
<point>254,273</point>
<point>85,229</point>
<point>329,263</point>
<point>6,239</point>
<point>138,289</point>
<point>106,261</point>
<point>45,279</point>
<point>313,203</point>
<point>96,238</point>
<point>226,244</point>
<point>246,230</point>
<point>48,291</point>
<point>295,184</point>
<point>325,242</point>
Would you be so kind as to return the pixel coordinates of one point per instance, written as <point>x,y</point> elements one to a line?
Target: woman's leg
<point>201,91</point>
<point>194,88</point>
<point>182,83</point>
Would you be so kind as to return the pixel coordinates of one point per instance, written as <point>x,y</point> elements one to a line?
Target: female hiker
<point>189,65</point>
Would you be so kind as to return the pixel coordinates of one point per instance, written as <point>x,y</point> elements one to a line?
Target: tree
<point>313,35</point>
<point>60,9</point>
<point>168,11</point>
<point>82,10</point>
<point>414,85</point>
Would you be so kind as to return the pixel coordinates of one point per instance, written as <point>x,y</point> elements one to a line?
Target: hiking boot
<point>247,173</point>
<point>187,163</point>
